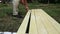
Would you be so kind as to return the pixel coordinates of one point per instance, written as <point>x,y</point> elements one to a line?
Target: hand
<point>27,8</point>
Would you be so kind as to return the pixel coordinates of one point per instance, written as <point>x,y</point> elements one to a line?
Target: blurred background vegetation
<point>36,1</point>
<point>9,23</point>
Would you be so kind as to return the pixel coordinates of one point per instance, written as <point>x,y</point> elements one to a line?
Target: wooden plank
<point>50,17</point>
<point>23,27</point>
<point>53,22</point>
<point>40,25</point>
<point>33,26</point>
<point>48,25</point>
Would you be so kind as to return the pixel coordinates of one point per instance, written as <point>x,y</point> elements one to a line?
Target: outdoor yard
<point>9,23</point>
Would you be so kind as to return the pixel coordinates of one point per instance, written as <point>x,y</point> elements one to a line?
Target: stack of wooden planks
<point>40,23</point>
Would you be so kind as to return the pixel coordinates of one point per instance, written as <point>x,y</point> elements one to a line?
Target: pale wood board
<point>48,25</point>
<point>40,23</point>
<point>23,27</point>
<point>53,21</point>
<point>33,26</point>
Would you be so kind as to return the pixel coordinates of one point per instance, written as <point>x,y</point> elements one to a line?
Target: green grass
<point>9,23</point>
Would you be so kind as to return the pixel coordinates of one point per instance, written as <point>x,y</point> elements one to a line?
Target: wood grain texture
<point>40,25</point>
<point>33,26</point>
<point>51,26</point>
<point>52,21</point>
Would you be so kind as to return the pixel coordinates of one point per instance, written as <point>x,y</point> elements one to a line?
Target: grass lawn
<point>9,23</point>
